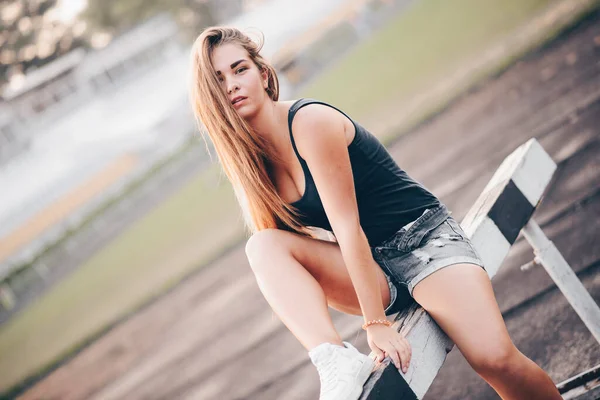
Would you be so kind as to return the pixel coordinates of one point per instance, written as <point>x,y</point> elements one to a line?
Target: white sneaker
<point>342,370</point>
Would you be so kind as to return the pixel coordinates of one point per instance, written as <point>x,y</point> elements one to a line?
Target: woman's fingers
<point>379,355</point>
<point>394,346</point>
<point>395,355</point>
<point>403,350</point>
<point>408,349</point>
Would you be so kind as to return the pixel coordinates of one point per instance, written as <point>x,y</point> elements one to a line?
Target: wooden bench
<point>493,223</point>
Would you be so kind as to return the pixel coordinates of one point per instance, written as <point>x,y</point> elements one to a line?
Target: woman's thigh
<point>461,300</point>
<point>322,259</point>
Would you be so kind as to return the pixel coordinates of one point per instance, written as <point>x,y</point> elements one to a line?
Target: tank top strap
<point>297,106</point>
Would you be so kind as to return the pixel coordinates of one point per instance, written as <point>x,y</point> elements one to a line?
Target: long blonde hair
<point>244,155</point>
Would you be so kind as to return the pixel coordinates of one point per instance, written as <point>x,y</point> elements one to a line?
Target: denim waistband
<point>407,238</point>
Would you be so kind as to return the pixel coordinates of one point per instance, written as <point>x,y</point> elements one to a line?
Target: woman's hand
<point>385,340</point>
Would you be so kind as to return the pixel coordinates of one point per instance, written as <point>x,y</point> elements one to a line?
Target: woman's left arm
<point>321,141</point>
<point>320,138</point>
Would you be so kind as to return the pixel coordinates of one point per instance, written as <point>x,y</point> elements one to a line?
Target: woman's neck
<point>271,123</point>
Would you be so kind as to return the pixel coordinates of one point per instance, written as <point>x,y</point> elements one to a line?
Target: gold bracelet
<point>376,321</point>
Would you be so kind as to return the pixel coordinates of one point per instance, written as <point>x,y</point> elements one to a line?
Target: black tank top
<point>386,196</point>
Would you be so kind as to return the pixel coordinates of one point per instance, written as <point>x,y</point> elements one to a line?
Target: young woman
<point>301,164</point>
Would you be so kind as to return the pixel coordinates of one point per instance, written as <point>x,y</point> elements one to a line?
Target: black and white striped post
<point>493,223</point>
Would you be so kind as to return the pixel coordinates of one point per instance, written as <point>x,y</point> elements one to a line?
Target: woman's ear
<point>265,76</point>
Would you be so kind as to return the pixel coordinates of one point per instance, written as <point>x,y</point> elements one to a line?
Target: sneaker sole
<point>362,377</point>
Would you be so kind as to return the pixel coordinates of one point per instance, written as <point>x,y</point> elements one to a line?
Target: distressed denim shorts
<point>431,242</point>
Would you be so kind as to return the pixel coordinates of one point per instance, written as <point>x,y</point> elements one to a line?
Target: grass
<point>426,42</point>
<point>423,44</point>
<point>103,207</point>
<point>136,265</point>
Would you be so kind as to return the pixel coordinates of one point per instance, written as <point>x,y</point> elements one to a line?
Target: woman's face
<point>240,79</point>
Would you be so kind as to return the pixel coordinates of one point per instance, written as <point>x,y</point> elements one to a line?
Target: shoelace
<point>328,372</point>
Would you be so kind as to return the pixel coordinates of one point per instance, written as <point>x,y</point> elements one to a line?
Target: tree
<point>27,39</point>
<point>117,16</point>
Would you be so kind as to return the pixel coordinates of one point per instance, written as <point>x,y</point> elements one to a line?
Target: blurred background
<point>122,270</point>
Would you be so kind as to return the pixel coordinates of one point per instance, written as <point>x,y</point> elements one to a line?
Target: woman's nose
<point>233,86</point>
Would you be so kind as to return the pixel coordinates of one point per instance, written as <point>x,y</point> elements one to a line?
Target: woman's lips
<point>236,102</point>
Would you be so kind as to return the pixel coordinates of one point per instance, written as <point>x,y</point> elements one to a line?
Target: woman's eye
<point>241,69</point>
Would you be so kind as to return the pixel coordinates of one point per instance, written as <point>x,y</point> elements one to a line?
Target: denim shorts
<point>431,242</point>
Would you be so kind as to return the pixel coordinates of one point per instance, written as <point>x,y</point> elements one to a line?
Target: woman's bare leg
<point>299,277</point>
<point>461,300</point>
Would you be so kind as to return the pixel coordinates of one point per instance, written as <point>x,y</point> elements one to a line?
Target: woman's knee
<point>261,244</point>
<point>495,359</point>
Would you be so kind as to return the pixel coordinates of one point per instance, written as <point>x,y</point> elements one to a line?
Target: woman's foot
<point>342,370</point>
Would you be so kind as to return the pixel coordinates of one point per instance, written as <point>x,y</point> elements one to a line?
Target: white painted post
<point>562,274</point>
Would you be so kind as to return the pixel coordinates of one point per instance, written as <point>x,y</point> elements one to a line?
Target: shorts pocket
<point>410,236</point>
<point>415,234</point>
<point>455,226</point>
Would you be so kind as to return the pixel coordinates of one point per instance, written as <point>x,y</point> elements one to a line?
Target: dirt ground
<point>215,336</point>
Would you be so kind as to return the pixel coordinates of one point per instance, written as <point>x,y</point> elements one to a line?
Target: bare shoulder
<point>316,124</point>
<point>317,114</point>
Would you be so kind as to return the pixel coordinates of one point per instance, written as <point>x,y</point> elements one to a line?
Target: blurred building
<point>45,88</point>
<point>111,112</point>
<point>128,55</point>
<point>12,141</point>
<point>66,83</point>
